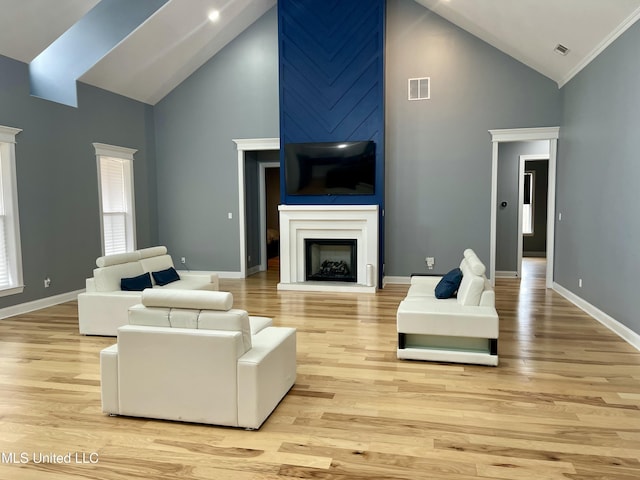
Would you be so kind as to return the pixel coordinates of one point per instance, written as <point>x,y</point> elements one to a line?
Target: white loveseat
<point>188,356</point>
<point>461,329</point>
<point>102,308</point>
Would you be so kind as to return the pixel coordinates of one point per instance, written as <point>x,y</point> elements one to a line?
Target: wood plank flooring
<point>563,404</point>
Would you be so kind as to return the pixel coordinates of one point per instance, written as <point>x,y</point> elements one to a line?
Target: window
<point>115,183</point>
<point>527,204</point>
<point>10,252</point>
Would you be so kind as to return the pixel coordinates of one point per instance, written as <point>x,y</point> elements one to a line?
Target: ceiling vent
<point>561,49</point>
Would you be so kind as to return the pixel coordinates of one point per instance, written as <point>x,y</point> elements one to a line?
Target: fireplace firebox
<point>331,260</point>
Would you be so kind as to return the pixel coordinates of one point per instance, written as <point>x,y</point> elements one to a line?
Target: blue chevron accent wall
<point>332,81</point>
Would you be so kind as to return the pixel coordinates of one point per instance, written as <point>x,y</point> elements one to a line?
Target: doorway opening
<point>504,137</point>
<point>245,147</point>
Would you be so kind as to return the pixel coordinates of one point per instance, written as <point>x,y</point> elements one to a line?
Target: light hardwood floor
<point>563,404</point>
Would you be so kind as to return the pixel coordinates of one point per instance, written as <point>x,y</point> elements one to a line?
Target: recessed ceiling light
<point>214,15</point>
<point>561,49</point>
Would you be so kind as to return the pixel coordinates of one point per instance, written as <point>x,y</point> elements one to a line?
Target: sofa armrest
<point>204,277</point>
<point>90,285</point>
<point>109,379</point>
<point>265,374</point>
<point>101,313</point>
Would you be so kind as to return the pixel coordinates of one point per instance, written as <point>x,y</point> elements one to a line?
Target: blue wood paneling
<point>332,80</point>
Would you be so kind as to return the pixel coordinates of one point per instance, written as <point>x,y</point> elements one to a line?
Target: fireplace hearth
<point>331,260</point>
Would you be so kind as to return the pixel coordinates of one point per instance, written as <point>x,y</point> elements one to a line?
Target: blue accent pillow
<point>165,276</point>
<point>136,284</point>
<point>449,284</point>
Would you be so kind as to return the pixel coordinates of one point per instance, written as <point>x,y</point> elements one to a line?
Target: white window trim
<point>8,165</point>
<point>104,150</point>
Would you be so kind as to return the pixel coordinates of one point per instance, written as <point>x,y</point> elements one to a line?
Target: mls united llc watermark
<point>21,458</point>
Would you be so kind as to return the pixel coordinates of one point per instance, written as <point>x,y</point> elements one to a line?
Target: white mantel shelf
<point>300,222</point>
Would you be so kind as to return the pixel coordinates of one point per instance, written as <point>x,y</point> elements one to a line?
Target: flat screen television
<point>330,168</point>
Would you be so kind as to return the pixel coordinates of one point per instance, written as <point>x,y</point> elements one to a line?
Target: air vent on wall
<point>561,49</point>
<point>420,88</point>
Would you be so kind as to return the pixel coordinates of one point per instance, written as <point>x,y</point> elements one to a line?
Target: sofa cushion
<point>164,277</point>
<point>136,284</point>
<point>157,263</point>
<point>107,279</point>
<point>449,284</point>
<point>194,299</point>
<point>471,287</point>
<point>233,320</point>
<point>150,317</point>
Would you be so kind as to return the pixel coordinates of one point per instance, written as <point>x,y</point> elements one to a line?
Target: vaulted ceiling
<point>179,38</point>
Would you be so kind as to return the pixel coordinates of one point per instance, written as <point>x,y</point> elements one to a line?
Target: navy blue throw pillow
<point>136,284</point>
<point>448,286</point>
<point>165,276</point>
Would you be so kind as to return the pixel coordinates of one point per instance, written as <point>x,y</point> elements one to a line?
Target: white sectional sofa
<point>102,308</point>
<point>460,329</point>
<point>189,356</point>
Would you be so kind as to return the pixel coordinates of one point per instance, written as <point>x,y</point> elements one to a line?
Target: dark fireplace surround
<point>331,260</point>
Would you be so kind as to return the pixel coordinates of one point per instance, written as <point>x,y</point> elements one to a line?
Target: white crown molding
<point>612,37</point>
<point>524,134</point>
<point>8,134</point>
<point>257,143</point>
<point>114,151</point>
<point>624,332</point>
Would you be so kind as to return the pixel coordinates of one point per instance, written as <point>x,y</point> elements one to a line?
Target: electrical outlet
<point>183,260</point>
<point>430,262</point>
<point>47,282</point>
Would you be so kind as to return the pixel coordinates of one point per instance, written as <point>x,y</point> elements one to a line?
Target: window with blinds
<point>10,251</point>
<point>116,198</point>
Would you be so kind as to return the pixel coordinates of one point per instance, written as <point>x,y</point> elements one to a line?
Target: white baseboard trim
<point>611,323</point>
<point>396,281</point>
<point>27,307</point>
<point>503,274</point>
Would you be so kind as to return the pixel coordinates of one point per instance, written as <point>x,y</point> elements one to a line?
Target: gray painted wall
<point>507,217</point>
<point>597,179</point>
<point>438,157</point>
<point>234,95</point>
<point>57,178</point>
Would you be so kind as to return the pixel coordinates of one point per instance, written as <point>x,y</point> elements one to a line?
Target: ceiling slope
<point>171,45</point>
<point>529,30</point>
<point>179,38</point>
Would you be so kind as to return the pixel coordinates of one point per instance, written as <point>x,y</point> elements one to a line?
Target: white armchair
<point>200,361</point>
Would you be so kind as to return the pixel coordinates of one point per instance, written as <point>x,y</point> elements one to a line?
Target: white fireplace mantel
<point>300,222</point>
